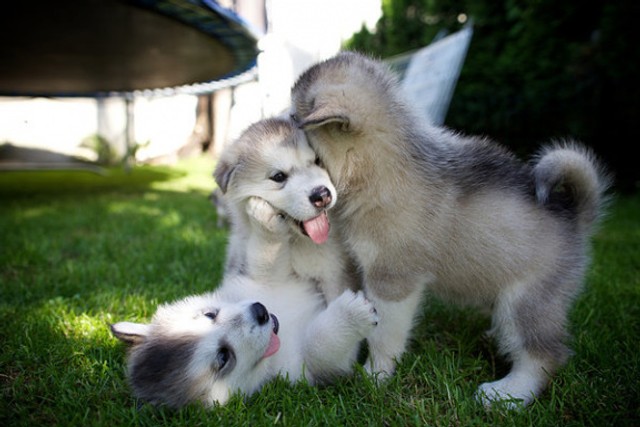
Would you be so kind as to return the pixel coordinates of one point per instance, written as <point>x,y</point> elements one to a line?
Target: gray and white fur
<point>277,197</point>
<point>423,208</point>
<point>206,348</point>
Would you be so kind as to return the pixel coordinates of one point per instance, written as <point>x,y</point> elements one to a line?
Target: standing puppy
<point>424,208</point>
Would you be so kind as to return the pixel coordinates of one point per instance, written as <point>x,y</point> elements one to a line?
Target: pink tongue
<point>317,228</point>
<point>273,347</point>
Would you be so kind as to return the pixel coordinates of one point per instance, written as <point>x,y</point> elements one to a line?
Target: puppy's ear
<point>222,174</point>
<point>324,115</point>
<point>130,333</point>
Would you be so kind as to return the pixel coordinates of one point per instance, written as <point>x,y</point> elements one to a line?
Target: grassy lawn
<point>79,251</point>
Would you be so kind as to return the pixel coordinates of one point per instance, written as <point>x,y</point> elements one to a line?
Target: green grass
<point>78,251</point>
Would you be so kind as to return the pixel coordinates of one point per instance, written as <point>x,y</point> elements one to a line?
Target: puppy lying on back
<point>422,208</point>
<point>208,347</point>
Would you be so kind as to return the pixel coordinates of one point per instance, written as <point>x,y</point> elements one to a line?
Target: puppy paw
<point>380,368</point>
<point>504,393</point>
<point>358,311</point>
<point>265,216</point>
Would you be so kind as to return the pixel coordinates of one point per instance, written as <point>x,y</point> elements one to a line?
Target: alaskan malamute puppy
<point>277,197</point>
<point>206,348</point>
<point>424,208</point>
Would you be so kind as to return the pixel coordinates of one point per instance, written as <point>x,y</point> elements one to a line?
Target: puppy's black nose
<point>320,197</point>
<point>260,313</point>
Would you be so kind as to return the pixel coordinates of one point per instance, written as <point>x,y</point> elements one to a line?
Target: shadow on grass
<point>28,183</point>
<point>162,243</point>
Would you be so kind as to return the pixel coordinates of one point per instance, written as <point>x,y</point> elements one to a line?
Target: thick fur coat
<point>423,208</point>
<point>206,348</point>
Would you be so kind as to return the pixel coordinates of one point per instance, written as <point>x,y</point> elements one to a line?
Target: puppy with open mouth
<point>278,197</point>
<point>285,306</point>
<point>208,347</point>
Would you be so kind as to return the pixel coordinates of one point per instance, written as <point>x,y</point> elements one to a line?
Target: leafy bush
<point>535,70</point>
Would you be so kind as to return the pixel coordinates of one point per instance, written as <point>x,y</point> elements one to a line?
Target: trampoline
<point>95,48</point>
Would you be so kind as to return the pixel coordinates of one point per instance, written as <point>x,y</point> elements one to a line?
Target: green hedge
<point>535,70</point>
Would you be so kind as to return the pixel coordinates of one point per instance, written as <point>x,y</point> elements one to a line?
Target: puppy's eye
<point>279,177</point>
<point>223,356</point>
<point>211,315</point>
<point>318,162</point>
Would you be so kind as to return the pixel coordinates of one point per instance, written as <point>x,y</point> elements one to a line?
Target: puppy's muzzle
<point>320,197</point>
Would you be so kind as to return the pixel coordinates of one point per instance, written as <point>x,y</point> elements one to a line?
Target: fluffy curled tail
<point>569,178</point>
